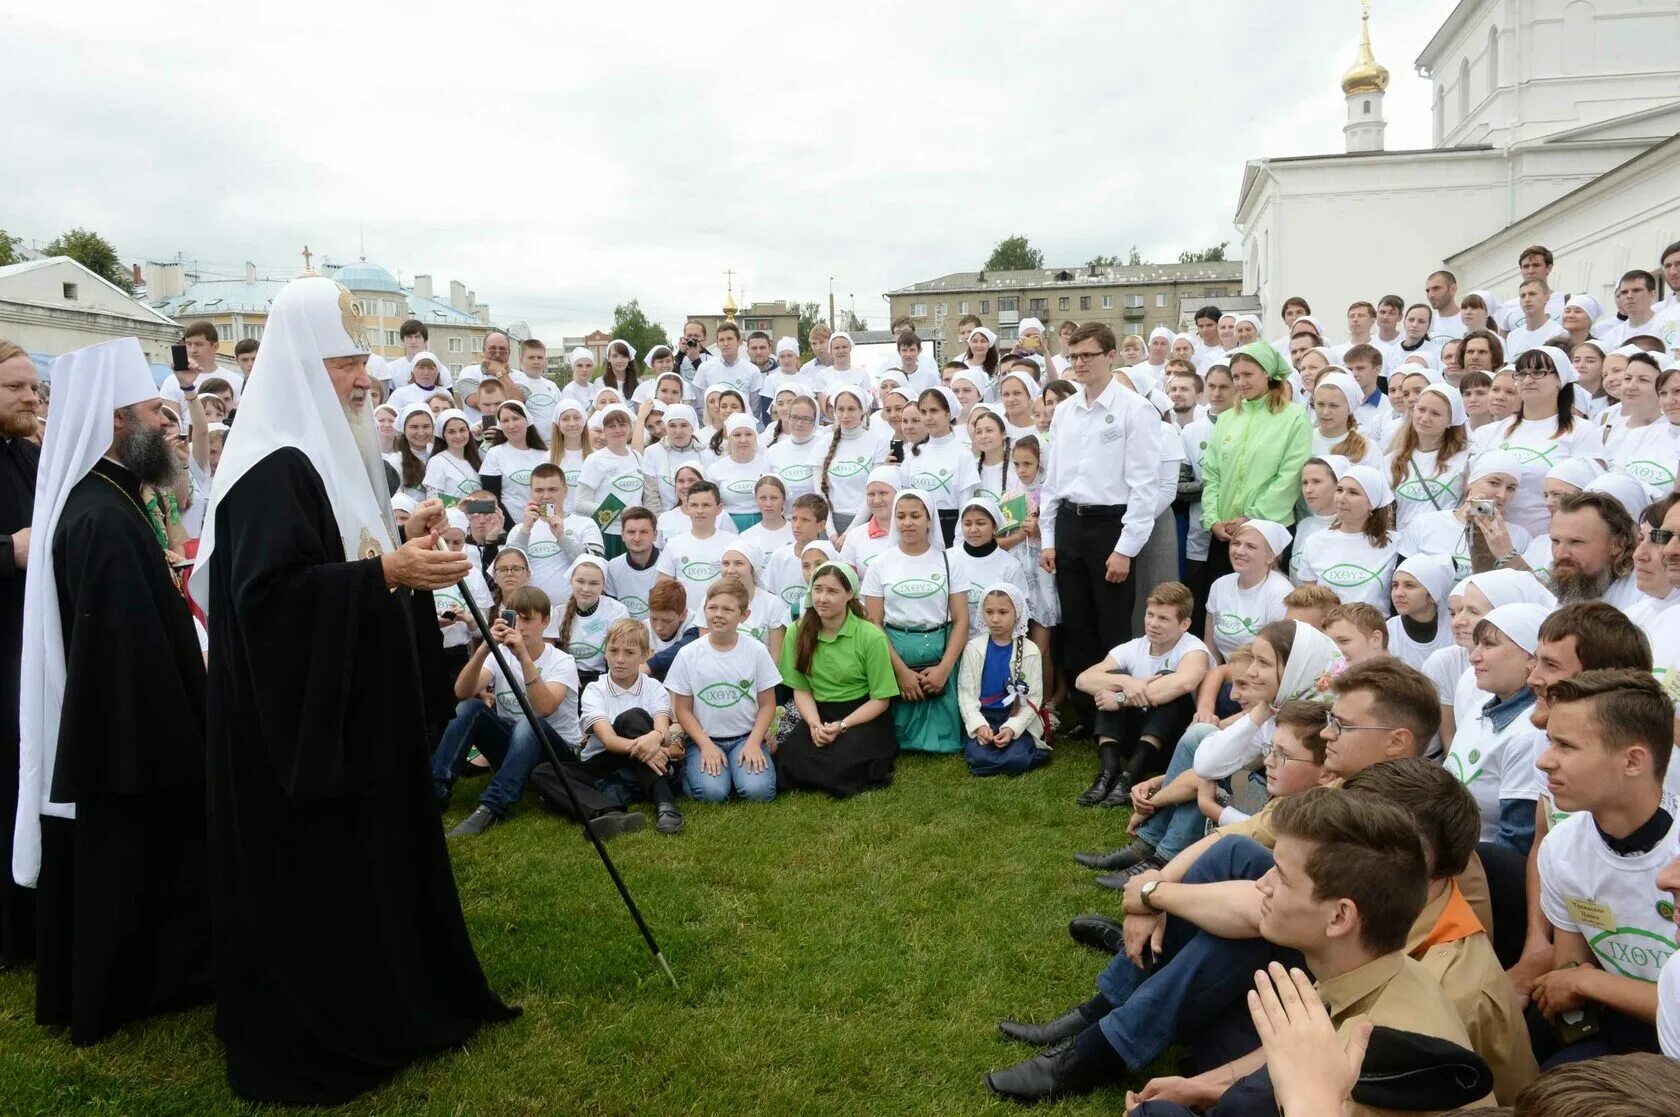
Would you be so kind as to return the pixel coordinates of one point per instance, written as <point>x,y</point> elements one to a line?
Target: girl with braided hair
<point>1000,690</point>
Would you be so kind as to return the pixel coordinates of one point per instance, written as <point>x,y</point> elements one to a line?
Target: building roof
<point>1461,14</point>
<point>436,312</point>
<point>1077,276</point>
<point>363,276</point>
<point>130,307</point>
<point>204,297</point>
<point>1255,169</point>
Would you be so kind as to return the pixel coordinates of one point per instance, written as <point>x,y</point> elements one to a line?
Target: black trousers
<point>1096,613</point>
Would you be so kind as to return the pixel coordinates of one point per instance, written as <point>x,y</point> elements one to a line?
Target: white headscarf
<point>1016,598</point>
<point>1347,385</point>
<point>787,345</point>
<point>89,385</point>
<point>1456,415</point>
<point>1434,573</point>
<point>580,354</point>
<point>1277,536</point>
<point>291,404</point>
<point>1504,587</point>
<point>934,538</point>
<point>1520,622</point>
<point>1560,361</point>
<point>1311,657</point>
<point>1374,483</point>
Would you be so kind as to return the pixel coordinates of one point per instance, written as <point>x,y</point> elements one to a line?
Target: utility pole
<point>831,323</point>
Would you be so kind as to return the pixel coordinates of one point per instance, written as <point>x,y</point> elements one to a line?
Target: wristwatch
<point>843,725</point>
<point>1147,893</point>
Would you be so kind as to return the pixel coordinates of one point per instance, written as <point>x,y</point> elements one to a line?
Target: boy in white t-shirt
<point>1358,629</point>
<point>723,691</point>
<point>1145,693</point>
<point>695,557</point>
<point>1611,736</point>
<point>626,715</point>
<point>552,538</point>
<point>501,732</point>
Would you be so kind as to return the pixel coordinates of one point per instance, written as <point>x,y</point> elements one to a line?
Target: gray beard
<point>145,453</point>
<point>1572,588</point>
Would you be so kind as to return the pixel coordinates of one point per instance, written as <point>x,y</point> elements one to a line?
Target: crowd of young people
<point>1370,628</point>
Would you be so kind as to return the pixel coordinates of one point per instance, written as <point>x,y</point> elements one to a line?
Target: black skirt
<point>861,760</point>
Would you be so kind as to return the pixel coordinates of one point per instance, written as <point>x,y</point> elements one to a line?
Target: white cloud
<point>569,158</point>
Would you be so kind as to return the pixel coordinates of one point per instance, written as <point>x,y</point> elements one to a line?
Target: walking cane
<point>537,727</point>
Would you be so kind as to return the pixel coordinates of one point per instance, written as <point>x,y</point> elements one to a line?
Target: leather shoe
<point>478,822</point>
<point>1065,1026</point>
<point>1100,787</point>
<point>1055,1072</point>
<point>1123,858</point>
<point>669,820</point>
<point>610,824</point>
<point>1118,880</point>
<point>1098,932</point>
<point>1119,793</point>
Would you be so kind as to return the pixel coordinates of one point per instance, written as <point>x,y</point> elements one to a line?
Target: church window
<point>1493,60</point>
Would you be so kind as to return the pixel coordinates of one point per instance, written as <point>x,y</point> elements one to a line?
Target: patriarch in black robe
<point>19,458</point>
<point>341,954</point>
<point>110,820</point>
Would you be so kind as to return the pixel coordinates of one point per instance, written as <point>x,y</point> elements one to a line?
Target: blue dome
<point>364,276</point>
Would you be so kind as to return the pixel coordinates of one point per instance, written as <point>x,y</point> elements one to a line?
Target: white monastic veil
<point>89,385</point>
<point>290,402</point>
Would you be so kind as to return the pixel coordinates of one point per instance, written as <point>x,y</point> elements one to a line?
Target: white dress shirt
<point>1105,452</point>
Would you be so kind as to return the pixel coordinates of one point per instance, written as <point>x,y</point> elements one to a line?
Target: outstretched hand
<point>419,565</point>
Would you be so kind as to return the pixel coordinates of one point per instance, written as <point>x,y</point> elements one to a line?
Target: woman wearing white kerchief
<point>737,471</point>
<point>452,470</point>
<point>1469,601</point>
<point>661,460</point>
<point>840,373</point>
<point>1431,450</point>
<point>1419,627</point>
<point>867,534</point>
<point>982,355</point>
<point>109,828</point>
<point>941,465</point>
<point>1294,658</point>
<point>1496,744</point>
<point>1016,393</point>
<point>1451,532</point>
<point>1336,398</point>
<point>1644,445</point>
<point>1544,431</point>
<point>1243,602</point>
<point>851,451</point>
<point>785,375</point>
<point>582,386</point>
<point>767,616</point>
<point>317,729</point>
<point>1355,557</point>
<point>797,457</point>
<point>977,561</point>
<point>1000,690</point>
<point>414,444</point>
<point>1319,477</point>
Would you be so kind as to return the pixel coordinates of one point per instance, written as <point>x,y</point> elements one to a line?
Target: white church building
<point>1555,123</point>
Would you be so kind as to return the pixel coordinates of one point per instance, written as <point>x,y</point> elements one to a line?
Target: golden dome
<point>1366,75</point>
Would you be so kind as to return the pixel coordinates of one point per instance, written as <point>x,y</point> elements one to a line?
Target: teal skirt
<point>745,520</point>
<point>933,724</point>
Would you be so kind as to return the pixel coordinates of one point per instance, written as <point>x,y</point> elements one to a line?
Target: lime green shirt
<point>1253,462</point>
<point>847,665</point>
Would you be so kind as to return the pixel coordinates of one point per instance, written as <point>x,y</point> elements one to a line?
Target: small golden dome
<point>1366,75</point>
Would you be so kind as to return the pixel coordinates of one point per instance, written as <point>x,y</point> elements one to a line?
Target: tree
<point>1135,259</point>
<point>809,315</point>
<point>1103,262</point>
<point>854,324</point>
<point>8,248</point>
<point>1213,255</point>
<point>94,253</point>
<point>1014,254</point>
<point>631,324</point>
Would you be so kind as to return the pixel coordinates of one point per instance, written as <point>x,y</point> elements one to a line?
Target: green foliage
<point>844,958</point>
<point>94,253</point>
<point>1211,255</point>
<point>854,324</point>
<point>1103,262</point>
<point>631,324</point>
<point>8,248</point>
<point>1135,260</point>
<point>1014,254</point>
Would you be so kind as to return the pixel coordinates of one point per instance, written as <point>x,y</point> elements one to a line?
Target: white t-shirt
<point>1520,339</point>
<point>696,563</point>
<point>767,612</point>
<point>743,376</point>
<point>450,478</point>
<point>448,600</point>
<point>1135,658</point>
<point>769,540</point>
<point>1409,651</point>
<point>785,577</point>
<point>796,463</point>
<point>1351,566</point>
<point>1306,526</point>
<point>629,585</point>
<point>860,451</point>
<point>661,462</point>
<point>1646,454</point>
<point>1445,667</point>
<point>1440,533</point>
<point>1495,764</point>
<point>834,379</point>
<point>737,481</point>
<point>1237,614</point>
<point>1322,445</point>
<point>971,575</point>
<point>542,399</point>
<point>1411,496</point>
<point>514,468</point>
<point>620,475</point>
<point>553,666</point>
<point>725,685</point>
<point>914,589</point>
<point>674,522</point>
<point>776,381</point>
<point>571,464</point>
<point>1538,451</point>
<point>604,700</point>
<point>860,549</point>
<point>1610,900</point>
<point>588,639</point>
<point>410,394</point>
<point>548,559</point>
<point>944,470</point>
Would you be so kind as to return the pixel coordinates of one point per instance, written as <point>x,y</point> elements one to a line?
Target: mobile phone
<point>450,615</point>
<point>478,507</point>
<point>895,449</point>
<point>178,358</point>
<point>487,422</point>
<point>509,617</point>
<point>548,510</point>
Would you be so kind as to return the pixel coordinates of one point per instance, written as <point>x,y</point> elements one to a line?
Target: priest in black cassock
<point>341,952</point>
<point>110,820</point>
<point>18,460</point>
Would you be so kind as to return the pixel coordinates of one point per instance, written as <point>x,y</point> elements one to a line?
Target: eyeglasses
<point>1336,727</point>
<point>1661,537</point>
<point>801,418</point>
<point>1081,358</point>
<point>1530,374</point>
<point>1275,755</point>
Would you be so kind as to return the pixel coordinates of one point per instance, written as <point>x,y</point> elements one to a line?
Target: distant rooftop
<point>1079,276</point>
<point>254,296</point>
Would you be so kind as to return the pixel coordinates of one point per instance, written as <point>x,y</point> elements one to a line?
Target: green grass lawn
<point>847,957</point>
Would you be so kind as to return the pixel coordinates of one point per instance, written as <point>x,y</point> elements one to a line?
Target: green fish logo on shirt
<point>637,606</point>
<point>848,467</point>
<point>698,570</point>
<point>1349,575</point>
<point>629,484</point>
<point>1655,474</point>
<point>933,482</point>
<point>743,486</point>
<point>548,548</point>
<point>1230,624</point>
<point>721,696</point>
<point>520,477</point>
<point>799,471</point>
<point>916,588</point>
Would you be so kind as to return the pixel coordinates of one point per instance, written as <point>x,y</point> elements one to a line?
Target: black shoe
<point>1093,795</point>
<point>1098,932</point>
<point>613,823</point>
<point>1123,858</point>
<point>1055,1072</point>
<point>669,820</point>
<point>1065,1026</point>
<point>1120,794</point>
<point>478,822</point>
<point>1118,880</point>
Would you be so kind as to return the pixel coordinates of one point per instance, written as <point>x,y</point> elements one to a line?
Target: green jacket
<point>1253,463</point>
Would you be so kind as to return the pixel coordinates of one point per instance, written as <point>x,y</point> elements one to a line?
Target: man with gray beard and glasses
<point>110,820</point>
<point>340,951</point>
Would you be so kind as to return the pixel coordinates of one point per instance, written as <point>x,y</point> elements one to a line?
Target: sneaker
<point>478,822</point>
<point>669,820</point>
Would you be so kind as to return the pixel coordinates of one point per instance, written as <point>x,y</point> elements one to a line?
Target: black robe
<point>341,951</point>
<point>18,460</point>
<point>123,921</point>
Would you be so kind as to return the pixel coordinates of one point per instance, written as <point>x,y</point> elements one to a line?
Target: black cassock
<point>123,918</point>
<point>18,461</point>
<point>341,951</point>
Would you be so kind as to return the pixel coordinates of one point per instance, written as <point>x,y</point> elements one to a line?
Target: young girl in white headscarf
<point>1356,556</point>
<point>851,451</point>
<point>452,471</point>
<point>1000,689</point>
<point>737,470</point>
<point>660,462</point>
<point>1292,659</point>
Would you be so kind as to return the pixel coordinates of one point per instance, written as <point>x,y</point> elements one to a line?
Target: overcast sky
<point>562,160</point>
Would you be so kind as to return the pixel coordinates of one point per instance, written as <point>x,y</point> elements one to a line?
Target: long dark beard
<point>1573,587</point>
<point>146,453</point>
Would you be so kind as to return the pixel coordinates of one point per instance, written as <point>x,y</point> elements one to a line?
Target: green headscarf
<point>1264,355</point>
<point>844,569</point>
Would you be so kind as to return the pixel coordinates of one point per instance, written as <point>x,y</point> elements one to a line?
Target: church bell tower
<point>1363,86</point>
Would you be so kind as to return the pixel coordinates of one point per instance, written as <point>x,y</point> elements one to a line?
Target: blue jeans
<point>1200,985</point>
<point>509,745</point>
<point>1171,830</point>
<point>760,787</point>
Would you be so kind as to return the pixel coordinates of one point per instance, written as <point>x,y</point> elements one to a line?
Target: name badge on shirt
<point>1111,433</point>
<point>1590,913</point>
